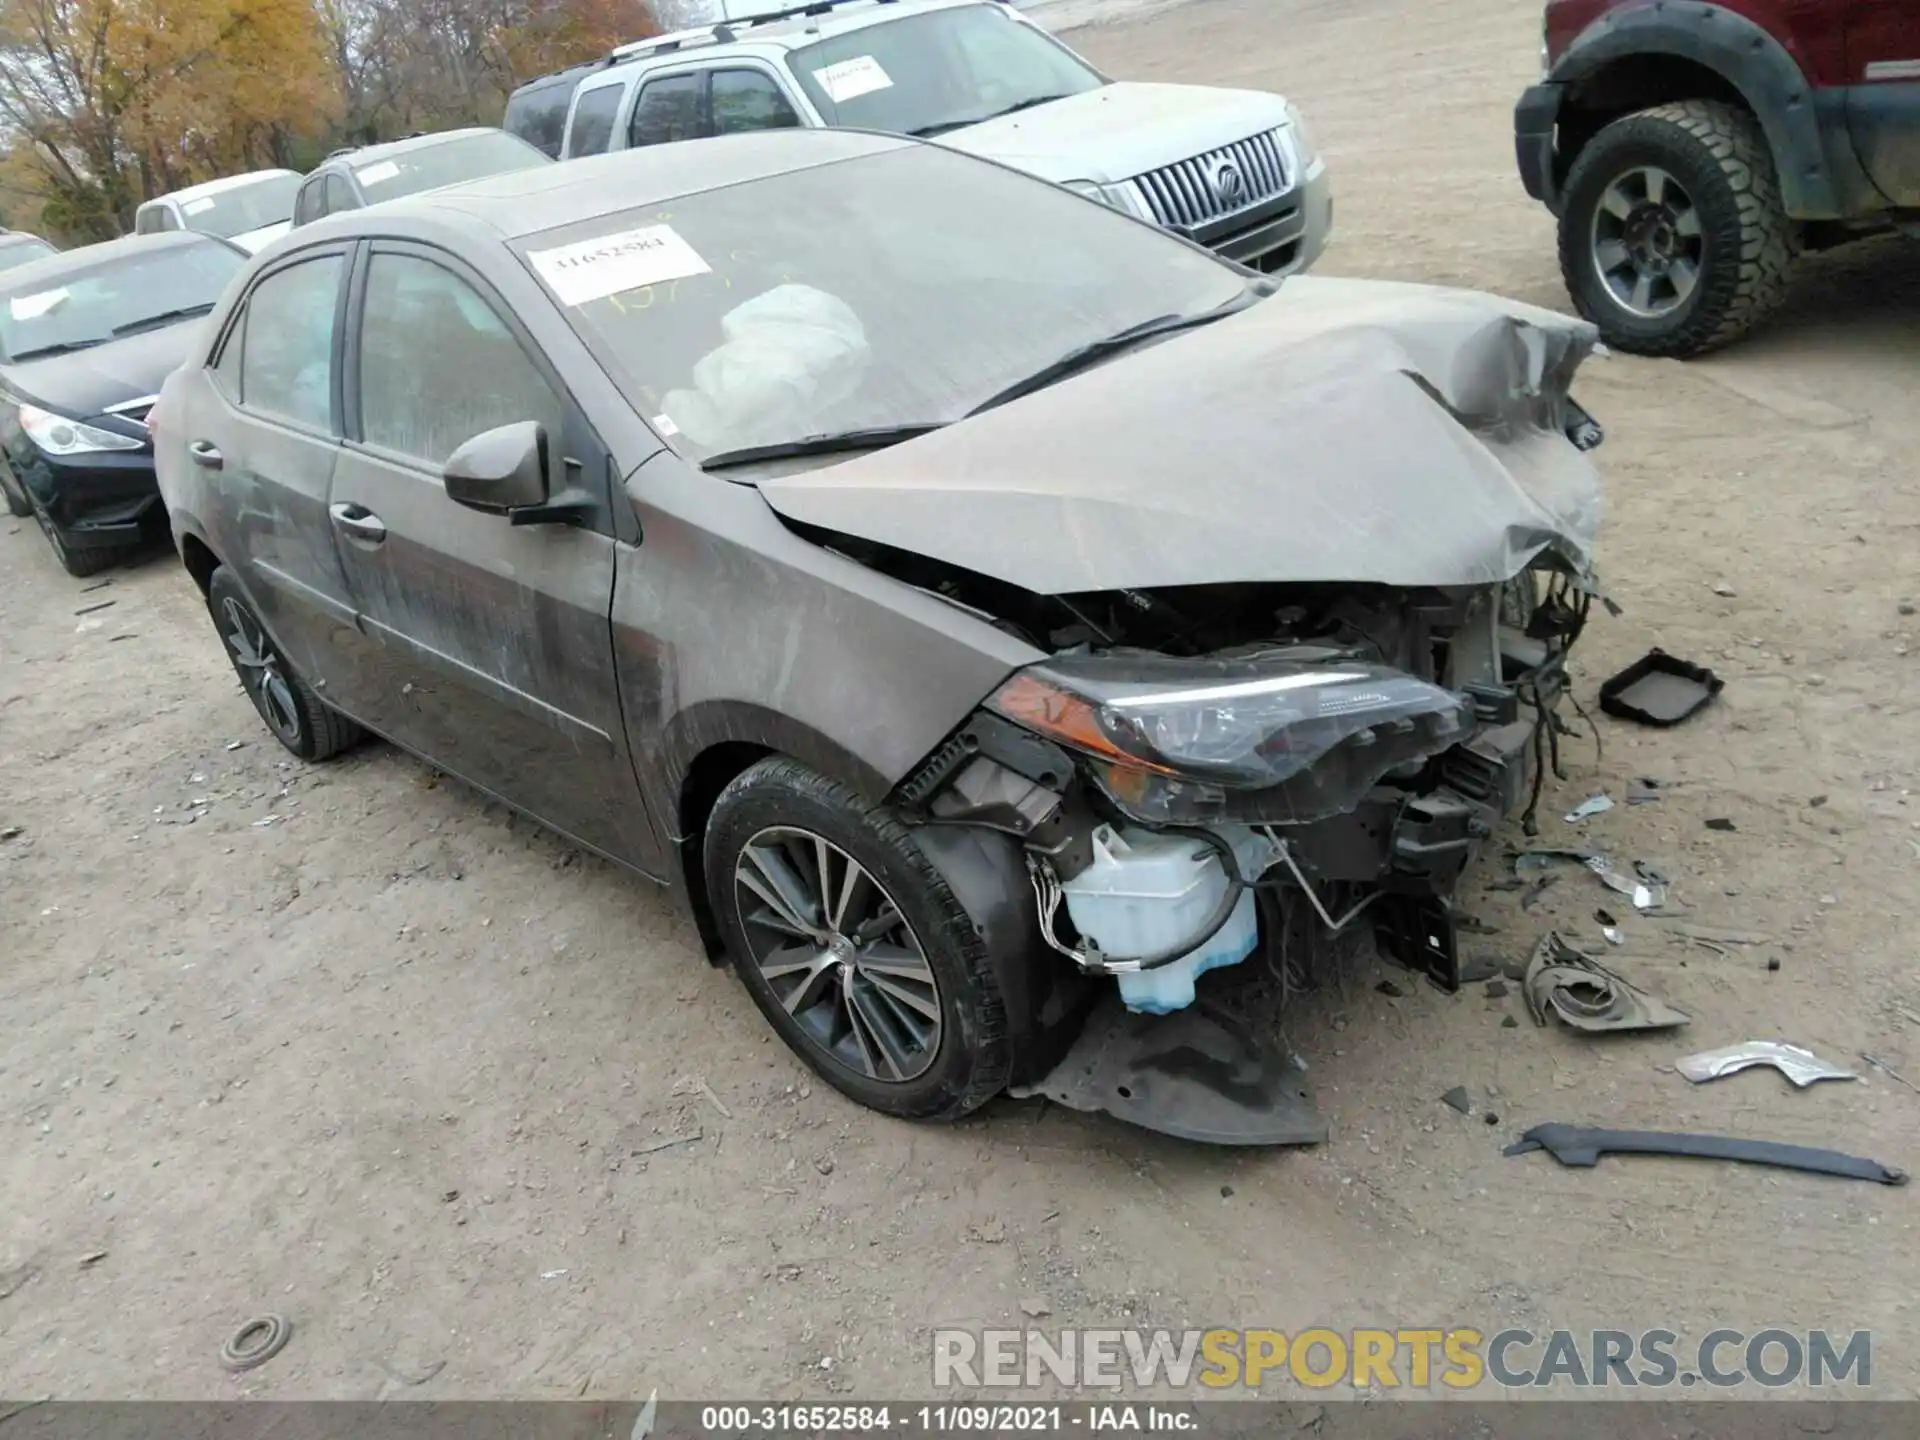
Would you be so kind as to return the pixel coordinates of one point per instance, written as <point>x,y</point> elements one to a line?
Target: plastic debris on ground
<point>1801,1066</point>
<point>1588,808</point>
<point>1660,690</point>
<point>1587,996</point>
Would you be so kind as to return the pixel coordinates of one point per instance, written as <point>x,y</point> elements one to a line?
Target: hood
<point>254,241</point>
<point>86,382</point>
<point>1344,430</point>
<point>1121,130</point>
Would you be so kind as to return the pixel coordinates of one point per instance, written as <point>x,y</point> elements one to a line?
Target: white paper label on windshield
<point>32,307</point>
<point>853,78</point>
<point>198,207</point>
<point>380,170</point>
<point>595,269</point>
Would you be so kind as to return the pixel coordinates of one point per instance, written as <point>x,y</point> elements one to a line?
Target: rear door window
<point>286,361</point>
<point>339,195</point>
<point>311,203</point>
<point>591,131</point>
<point>749,100</point>
<point>538,114</point>
<point>668,109</point>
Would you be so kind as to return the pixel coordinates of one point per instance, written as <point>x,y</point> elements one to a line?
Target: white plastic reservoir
<point>1146,892</point>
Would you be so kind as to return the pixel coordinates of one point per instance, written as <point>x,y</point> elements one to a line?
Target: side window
<point>287,369</point>
<point>593,117</point>
<point>411,400</point>
<point>668,109</point>
<point>146,220</point>
<point>339,194</point>
<point>226,369</point>
<point>310,204</point>
<point>749,100</point>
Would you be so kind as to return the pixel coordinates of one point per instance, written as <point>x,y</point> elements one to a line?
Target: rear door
<point>1883,103</point>
<point>486,646</point>
<point>268,426</point>
<point>590,125</point>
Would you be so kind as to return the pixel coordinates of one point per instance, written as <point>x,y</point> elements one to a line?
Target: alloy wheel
<point>838,954</point>
<point>1648,244</point>
<point>261,670</point>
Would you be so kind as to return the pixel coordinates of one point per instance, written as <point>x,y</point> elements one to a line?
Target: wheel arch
<point>1639,56</point>
<point>713,744</point>
<point>199,558</point>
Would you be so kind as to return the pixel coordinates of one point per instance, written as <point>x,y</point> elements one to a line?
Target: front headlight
<point>1303,142</point>
<point>57,435</point>
<point>1172,735</point>
<point>1124,196</point>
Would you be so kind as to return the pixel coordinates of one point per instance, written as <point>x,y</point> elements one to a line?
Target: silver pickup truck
<point>1235,170</point>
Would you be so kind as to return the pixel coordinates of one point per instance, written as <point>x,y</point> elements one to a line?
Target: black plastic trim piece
<point>1575,1145</point>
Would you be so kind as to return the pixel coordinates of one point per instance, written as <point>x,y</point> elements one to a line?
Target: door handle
<point>359,522</point>
<point>205,454</point>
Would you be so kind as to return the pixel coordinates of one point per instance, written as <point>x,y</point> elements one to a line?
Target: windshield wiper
<point>165,317</point>
<point>869,439</point>
<point>941,128</point>
<point>1098,350</point>
<point>65,347</point>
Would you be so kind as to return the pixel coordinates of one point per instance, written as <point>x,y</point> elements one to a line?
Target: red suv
<point>1693,151</point>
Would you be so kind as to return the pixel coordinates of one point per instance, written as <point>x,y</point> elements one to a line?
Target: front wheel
<point>1673,237</point>
<point>853,946</point>
<point>298,718</point>
<point>78,561</point>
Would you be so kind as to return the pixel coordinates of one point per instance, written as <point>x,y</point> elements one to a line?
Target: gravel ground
<point>355,1045</point>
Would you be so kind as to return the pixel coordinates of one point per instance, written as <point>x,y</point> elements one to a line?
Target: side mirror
<point>500,470</point>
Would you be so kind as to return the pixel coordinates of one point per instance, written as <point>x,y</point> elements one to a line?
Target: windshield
<point>235,211</point>
<point>62,309</point>
<point>469,157</point>
<point>936,71</point>
<point>19,252</point>
<point>898,289</point>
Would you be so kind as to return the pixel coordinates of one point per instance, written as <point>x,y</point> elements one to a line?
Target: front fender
<point>1820,177</point>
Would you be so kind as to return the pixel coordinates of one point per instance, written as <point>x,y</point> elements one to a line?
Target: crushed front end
<point>1200,775</point>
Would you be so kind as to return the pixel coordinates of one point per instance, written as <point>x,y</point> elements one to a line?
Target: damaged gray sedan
<point>988,611</point>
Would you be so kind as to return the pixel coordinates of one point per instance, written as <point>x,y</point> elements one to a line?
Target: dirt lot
<point>392,1063</point>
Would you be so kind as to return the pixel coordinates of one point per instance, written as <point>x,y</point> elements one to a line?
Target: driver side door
<point>485,646</point>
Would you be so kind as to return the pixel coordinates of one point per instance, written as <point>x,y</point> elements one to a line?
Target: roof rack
<point>726,31</point>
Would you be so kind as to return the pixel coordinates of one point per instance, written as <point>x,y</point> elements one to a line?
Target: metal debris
<point>1643,895</point>
<point>1588,996</point>
<point>1588,808</point>
<point>1892,1074</point>
<point>1801,1066</point>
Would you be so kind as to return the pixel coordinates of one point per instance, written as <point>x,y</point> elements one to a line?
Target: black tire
<point>970,1062</point>
<point>78,561</point>
<point>297,718</point>
<point>1744,241</point>
<point>18,505</point>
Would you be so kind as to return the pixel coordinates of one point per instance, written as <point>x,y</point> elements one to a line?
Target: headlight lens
<point>1171,737</point>
<point>1303,142</point>
<point>57,435</point>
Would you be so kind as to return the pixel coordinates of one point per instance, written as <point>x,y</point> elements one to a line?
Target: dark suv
<point>1693,151</point>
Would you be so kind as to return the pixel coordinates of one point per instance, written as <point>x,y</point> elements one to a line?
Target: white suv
<point>1232,169</point>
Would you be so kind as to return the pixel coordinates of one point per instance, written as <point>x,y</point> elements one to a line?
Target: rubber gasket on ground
<point>256,1342</point>
<point>1658,689</point>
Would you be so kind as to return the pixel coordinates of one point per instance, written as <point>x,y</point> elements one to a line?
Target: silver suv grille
<point>1218,183</point>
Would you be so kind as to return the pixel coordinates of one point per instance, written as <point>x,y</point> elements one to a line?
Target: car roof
<point>21,237</point>
<point>779,30</point>
<point>87,256</point>
<point>388,148</point>
<point>225,182</point>
<point>597,185</point>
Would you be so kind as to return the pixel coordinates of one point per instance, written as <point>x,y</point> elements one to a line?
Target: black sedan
<point>984,638</point>
<point>86,337</point>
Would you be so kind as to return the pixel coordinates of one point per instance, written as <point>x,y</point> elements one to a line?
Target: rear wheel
<point>1673,238</point>
<point>298,718</point>
<point>853,946</point>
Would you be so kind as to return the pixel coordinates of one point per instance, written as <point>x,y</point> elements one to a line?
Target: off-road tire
<point>318,732</point>
<point>974,1058</point>
<point>1720,155</point>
